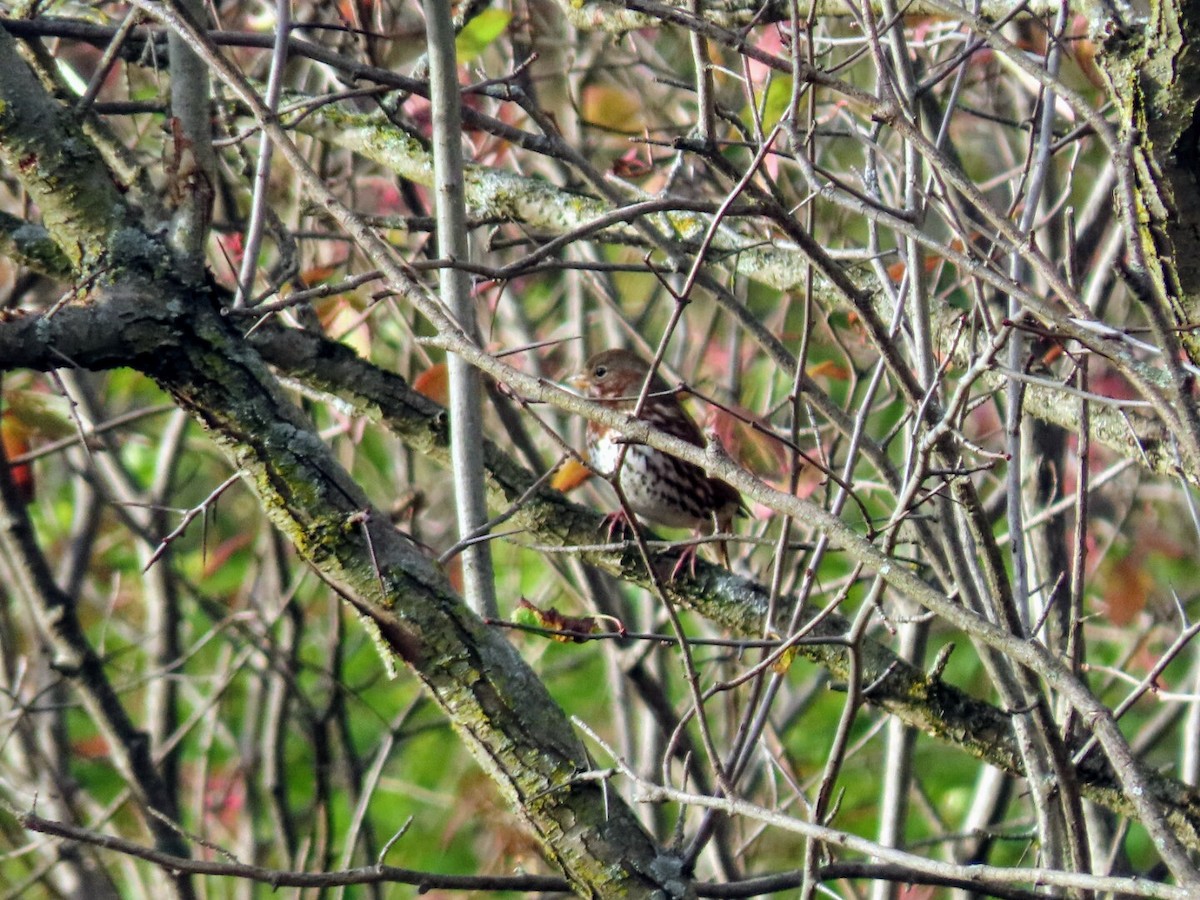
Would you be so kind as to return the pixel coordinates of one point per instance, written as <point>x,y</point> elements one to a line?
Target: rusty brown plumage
<point>658,487</point>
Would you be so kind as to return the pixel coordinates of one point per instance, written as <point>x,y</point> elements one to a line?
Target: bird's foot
<point>615,523</point>
<point>687,557</point>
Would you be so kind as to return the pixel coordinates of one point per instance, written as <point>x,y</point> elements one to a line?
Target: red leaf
<point>16,443</point>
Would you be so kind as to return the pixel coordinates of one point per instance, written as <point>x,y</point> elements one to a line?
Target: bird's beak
<point>575,383</point>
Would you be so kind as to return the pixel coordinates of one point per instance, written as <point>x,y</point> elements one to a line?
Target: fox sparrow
<point>658,487</point>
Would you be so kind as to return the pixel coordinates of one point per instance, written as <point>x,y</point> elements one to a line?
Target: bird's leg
<point>686,556</point>
<point>614,522</point>
<point>723,553</point>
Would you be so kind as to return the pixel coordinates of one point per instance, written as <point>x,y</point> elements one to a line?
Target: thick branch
<point>500,708</point>
<point>937,708</point>
<point>1153,78</point>
<point>64,175</point>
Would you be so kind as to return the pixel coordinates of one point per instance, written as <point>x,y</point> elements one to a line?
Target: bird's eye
<point>599,371</point>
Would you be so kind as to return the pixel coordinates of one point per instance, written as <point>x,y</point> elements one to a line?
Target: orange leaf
<point>341,315</point>
<point>570,475</point>
<point>434,383</point>
<point>1085,57</point>
<point>455,574</point>
<point>93,747</point>
<point>1052,355</point>
<point>552,620</point>
<point>829,369</point>
<point>931,261</point>
<point>1126,590</point>
<point>317,275</point>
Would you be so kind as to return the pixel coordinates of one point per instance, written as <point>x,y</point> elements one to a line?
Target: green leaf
<point>779,95</point>
<point>480,32</point>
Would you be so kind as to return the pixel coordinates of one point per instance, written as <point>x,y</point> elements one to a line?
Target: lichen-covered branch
<point>1153,74</point>
<point>80,204</point>
<point>175,335</point>
<point>928,703</point>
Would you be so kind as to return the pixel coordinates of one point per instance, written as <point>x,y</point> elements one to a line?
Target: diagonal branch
<point>100,337</point>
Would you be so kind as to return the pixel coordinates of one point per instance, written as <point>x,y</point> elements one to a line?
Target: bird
<point>659,488</point>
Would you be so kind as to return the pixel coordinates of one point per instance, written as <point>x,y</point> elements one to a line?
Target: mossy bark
<point>1153,72</point>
